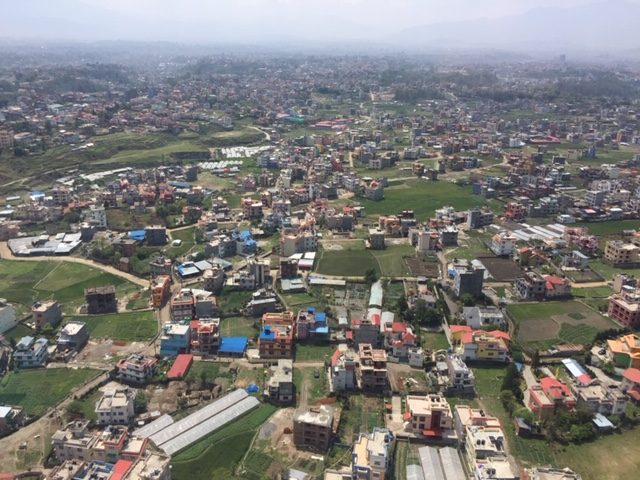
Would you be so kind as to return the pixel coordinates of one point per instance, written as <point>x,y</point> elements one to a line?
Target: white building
<point>503,243</point>
<point>342,371</point>
<point>116,407</point>
<point>371,454</point>
<point>8,318</point>
<point>95,215</point>
<point>478,317</point>
<point>31,353</point>
<point>460,375</point>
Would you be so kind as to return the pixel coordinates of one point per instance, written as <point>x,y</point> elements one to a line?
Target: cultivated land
<point>39,389</point>
<point>26,282</point>
<point>217,455</point>
<point>350,259</point>
<point>129,326</point>
<point>422,197</point>
<point>540,325</point>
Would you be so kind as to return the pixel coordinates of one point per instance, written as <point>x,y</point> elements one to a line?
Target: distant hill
<point>611,25</point>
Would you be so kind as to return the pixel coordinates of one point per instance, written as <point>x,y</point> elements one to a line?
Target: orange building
<point>160,290</point>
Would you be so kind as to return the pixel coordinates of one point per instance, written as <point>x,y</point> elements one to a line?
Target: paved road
<point>6,254</point>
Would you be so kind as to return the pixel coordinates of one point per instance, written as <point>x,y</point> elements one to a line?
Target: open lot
<point>313,352</point>
<point>238,327</point>
<point>130,326</point>
<point>423,198</point>
<point>501,269</point>
<point>26,282</point>
<point>39,389</point>
<point>217,455</point>
<point>362,415</point>
<point>540,325</point>
<point>353,260</point>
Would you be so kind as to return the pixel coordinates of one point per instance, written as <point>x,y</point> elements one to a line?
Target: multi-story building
<point>31,353</point>
<point>73,336</point>
<point>468,280</point>
<point>530,286</point>
<point>183,306</point>
<point>116,407</point>
<point>624,351</point>
<point>156,235</point>
<point>480,345</point>
<point>461,377</point>
<point>311,324</point>
<point>276,342</point>
<point>46,312</point>
<point>371,455</point>
<point>496,468</point>
<point>428,415</point>
<point>101,299</point>
<point>371,369</point>
<point>95,215</point>
<point>376,239</point>
<point>464,416</point>
<point>136,368</point>
<point>624,307</point>
<point>483,442</point>
<point>342,371</point>
<point>280,389</point>
<point>478,317</point>
<point>300,242</point>
<point>205,336</point>
<point>478,218</point>
<point>601,398</point>
<point>160,290</point>
<point>213,279</point>
<point>503,243</point>
<point>313,428</point>
<point>556,287</point>
<point>174,340</point>
<point>621,254</point>
<point>549,396</point>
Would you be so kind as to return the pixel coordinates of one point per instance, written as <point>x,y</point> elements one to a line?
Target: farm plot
<point>541,325</point>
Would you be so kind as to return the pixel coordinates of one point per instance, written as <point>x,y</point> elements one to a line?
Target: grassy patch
<point>130,326</point>
<point>317,388</point>
<point>211,370</point>
<point>361,414</point>
<point>434,341</point>
<point>354,261</point>
<point>423,198</point>
<point>232,301</point>
<point>614,227</point>
<point>608,271</point>
<point>217,455</point>
<point>38,390</point>
<point>313,353</point>
<point>238,327</point>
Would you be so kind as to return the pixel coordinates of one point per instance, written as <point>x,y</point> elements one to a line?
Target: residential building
<point>464,416</point>
<point>624,307</point>
<point>469,281</point>
<point>551,473</point>
<point>276,342</point>
<point>621,254</point>
<point>557,287</point>
<point>73,336</point>
<point>371,370</point>
<point>153,466</point>
<point>213,279</point>
<point>601,398</point>
<point>624,351</point>
<point>428,415</point>
<point>101,300</point>
<point>300,242</point>
<point>288,268</point>
<point>313,428</point>
<point>366,330</point>
<point>530,286</point>
<point>74,442</point>
<point>280,389</point>
<point>205,336</point>
<point>136,368</point>
<point>461,377</point>
<point>630,384</point>
<point>374,190</point>
<point>116,407</point>
<point>478,218</point>
<point>503,243</point>
<point>183,306</point>
<point>549,396</point>
<point>483,441</point>
<point>174,340</point>
<point>342,371</point>
<point>478,317</point>
<point>8,318</point>
<point>156,235</point>
<point>480,345</point>
<point>31,353</point>
<point>160,290</point>
<point>46,312</point>
<point>311,325</point>
<point>371,455</point>
<point>96,216</point>
<point>376,239</point>
<point>496,468</point>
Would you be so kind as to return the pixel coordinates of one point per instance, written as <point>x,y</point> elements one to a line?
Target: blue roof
<point>233,344</point>
<point>36,193</point>
<point>267,333</point>
<point>322,330</point>
<point>321,317</point>
<point>138,235</point>
<point>252,388</point>
<point>245,235</point>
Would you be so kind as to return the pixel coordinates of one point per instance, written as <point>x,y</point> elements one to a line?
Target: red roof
<point>398,327</point>
<point>349,335</point>
<point>467,337</point>
<point>335,357</point>
<point>500,334</point>
<point>634,393</point>
<point>120,469</point>
<point>180,366</point>
<point>554,279</point>
<point>436,432</point>
<point>554,387</point>
<point>407,416</point>
<point>460,328</point>
<point>632,374</point>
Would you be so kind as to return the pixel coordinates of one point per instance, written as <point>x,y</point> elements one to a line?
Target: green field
<point>607,271</point>
<point>610,228</point>
<point>211,370</point>
<point>313,353</point>
<point>541,325</point>
<point>217,455</point>
<point>238,327</point>
<point>364,414</point>
<point>37,390</point>
<point>232,301</point>
<point>317,388</point>
<point>26,281</point>
<point>354,261</point>
<point>187,235</point>
<point>434,341</point>
<point>423,198</point>
<point>129,326</point>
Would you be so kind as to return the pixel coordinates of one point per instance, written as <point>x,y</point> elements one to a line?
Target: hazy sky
<point>251,21</point>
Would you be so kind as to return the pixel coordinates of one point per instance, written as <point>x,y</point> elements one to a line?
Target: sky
<point>258,21</point>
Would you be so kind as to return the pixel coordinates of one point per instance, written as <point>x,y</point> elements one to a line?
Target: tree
<point>511,382</point>
<point>535,359</point>
<point>468,300</point>
<point>74,409</point>
<point>140,403</point>
<point>370,276</point>
<point>402,305</point>
<point>204,378</point>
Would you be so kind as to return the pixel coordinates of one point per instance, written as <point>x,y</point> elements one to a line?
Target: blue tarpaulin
<point>252,388</point>
<point>233,345</point>
<point>137,235</point>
